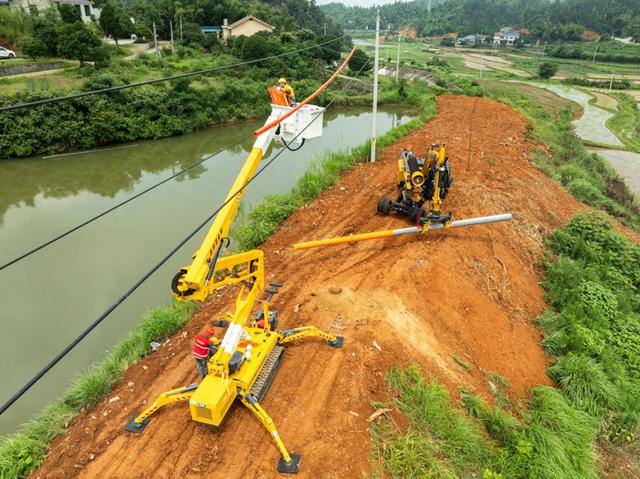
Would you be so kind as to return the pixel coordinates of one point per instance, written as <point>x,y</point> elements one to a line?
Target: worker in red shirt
<point>204,346</point>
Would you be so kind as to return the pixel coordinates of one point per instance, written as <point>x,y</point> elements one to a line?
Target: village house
<point>246,26</point>
<point>85,7</point>
<point>506,36</point>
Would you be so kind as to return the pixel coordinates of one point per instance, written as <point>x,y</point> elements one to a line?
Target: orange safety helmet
<point>209,331</point>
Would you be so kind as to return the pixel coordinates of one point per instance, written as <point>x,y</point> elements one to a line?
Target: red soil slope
<point>470,292</point>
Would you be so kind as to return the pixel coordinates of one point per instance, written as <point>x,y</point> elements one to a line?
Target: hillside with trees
<point>17,27</point>
<point>547,20</point>
<point>284,15</point>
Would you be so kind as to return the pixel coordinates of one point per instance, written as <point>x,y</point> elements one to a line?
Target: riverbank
<point>163,109</point>
<point>490,163</point>
<point>565,158</point>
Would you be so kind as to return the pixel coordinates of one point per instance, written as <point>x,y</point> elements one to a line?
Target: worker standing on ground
<point>285,88</point>
<point>204,346</point>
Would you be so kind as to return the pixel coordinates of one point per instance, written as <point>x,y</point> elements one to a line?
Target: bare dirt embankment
<point>471,292</point>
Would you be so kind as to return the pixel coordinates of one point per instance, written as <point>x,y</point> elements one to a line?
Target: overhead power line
<point>155,268</point>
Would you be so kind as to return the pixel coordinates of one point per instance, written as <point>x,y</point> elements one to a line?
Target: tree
<point>260,45</point>
<point>114,22</point>
<point>331,51</point>
<point>547,69</point>
<point>77,42</point>
<point>34,47</point>
<point>69,13</point>
<point>46,29</point>
<point>360,61</point>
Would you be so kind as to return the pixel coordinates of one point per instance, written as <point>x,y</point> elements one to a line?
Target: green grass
<point>461,362</point>
<point>625,122</point>
<point>549,438</point>
<point>22,452</point>
<point>591,283</point>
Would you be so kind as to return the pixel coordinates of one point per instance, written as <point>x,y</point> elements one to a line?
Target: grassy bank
<point>591,331</point>
<point>154,111</point>
<point>22,452</point>
<point>625,122</point>
<point>585,175</point>
<point>548,438</point>
<point>593,326</point>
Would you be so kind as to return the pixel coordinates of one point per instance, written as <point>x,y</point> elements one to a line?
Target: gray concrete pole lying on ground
<point>401,231</point>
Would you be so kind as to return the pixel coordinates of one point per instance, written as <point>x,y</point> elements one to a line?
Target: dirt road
<point>471,292</point>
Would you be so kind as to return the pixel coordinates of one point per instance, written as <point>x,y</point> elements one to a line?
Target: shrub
<point>34,47</point>
<point>547,70</point>
<point>360,61</point>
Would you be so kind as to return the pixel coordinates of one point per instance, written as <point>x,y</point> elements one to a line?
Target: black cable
<point>122,203</point>
<point>286,145</point>
<point>147,275</point>
<point>160,80</point>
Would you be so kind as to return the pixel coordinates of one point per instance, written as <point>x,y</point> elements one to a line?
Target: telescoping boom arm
<point>287,124</point>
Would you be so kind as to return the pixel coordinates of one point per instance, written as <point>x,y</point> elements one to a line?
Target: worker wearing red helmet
<point>204,346</point>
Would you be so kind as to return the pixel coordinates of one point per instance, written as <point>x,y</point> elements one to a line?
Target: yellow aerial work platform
<point>248,356</point>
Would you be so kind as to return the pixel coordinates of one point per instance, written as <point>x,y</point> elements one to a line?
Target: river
<point>48,298</point>
<point>591,126</point>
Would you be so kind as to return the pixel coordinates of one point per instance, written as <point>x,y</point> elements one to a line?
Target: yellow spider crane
<point>251,351</point>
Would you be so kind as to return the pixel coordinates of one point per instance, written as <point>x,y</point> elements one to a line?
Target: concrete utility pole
<point>155,38</point>
<point>180,28</point>
<point>398,61</point>
<point>611,82</point>
<point>429,6</point>
<point>173,48</point>
<point>595,53</point>
<point>155,42</point>
<point>325,29</point>
<point>375,90</point>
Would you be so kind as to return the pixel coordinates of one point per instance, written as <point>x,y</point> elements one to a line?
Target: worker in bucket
<point>204,346</point>
<point>285,88</point>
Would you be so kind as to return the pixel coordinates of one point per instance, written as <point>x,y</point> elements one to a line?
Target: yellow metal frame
<point>245,349</point>
<point>436,201</point>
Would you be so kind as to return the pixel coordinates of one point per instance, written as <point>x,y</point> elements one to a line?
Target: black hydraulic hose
<point>212,265</point>
<point>155,268</point>
<point>286,145</point>
<point>160,80</point>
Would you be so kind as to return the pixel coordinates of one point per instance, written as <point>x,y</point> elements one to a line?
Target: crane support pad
<point>267,373</point>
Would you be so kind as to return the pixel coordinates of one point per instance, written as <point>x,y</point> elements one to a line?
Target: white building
<point>506,36</point>
<point>85,7</point>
